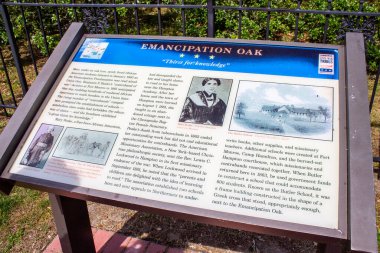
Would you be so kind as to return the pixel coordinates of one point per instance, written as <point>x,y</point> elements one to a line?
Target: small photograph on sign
<point>284,109</point>
<point>41,146</point>
<point>326,64</point>
<point>206,101</point>
<point>85,145</point>
<point>94,50</point>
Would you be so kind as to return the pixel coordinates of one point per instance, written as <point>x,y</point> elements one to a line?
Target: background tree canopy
<point>41,21</point>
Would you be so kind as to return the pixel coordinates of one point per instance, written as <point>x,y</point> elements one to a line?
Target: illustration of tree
<point>240,109</point>
<point>310,114</point>
<point>324,111</point>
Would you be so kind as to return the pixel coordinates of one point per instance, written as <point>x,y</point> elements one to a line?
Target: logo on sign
<point>326,64</point>
<point>94,50</point>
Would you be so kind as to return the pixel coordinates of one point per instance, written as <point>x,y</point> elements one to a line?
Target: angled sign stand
<point>28,108</point>
<point>362,219</point>
<point>241,134</point>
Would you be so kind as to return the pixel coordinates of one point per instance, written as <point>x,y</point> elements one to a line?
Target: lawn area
<point>26,223</point>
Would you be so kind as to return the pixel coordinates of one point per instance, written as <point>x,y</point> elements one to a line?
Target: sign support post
<point>73,224</point>
<point>361,208</point>
<point>6,186</point>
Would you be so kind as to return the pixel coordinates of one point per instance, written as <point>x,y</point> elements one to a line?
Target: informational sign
<point>242,128</point>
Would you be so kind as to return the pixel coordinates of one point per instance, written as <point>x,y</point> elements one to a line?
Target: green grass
<point>24,215</point>
<point>3,123</point>
<point>13,239</point>
<point>7,203</point>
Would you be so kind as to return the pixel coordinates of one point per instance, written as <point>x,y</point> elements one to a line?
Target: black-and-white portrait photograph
<point>41,146</point>
<point>284,109</point>
<point>85,145</point>
<point>206,101</point>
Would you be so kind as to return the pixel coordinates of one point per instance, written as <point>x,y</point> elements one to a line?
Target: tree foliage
<point>240,109</point>
<point>324,111</point>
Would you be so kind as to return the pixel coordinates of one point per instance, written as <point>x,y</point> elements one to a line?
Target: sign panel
<point>250,129</point>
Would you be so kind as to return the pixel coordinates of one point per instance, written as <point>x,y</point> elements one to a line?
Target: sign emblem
<point>326,64</point>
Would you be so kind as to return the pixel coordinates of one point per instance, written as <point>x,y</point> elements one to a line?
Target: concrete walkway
<point>110,242</point>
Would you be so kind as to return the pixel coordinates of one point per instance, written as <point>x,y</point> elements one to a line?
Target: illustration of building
<point>299,113</point>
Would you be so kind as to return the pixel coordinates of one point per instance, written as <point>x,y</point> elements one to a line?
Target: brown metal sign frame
<point>356,200</point>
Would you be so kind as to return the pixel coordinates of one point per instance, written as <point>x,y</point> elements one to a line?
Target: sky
<point>257,94</point>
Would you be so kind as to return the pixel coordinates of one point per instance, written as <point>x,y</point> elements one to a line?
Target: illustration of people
<point>83,145</point>
<point>92,147</point>
<point>67,142</point>
<point>103,149</point>
<point>205,107</point>
<point>77,144</point>
<point>39,148</point>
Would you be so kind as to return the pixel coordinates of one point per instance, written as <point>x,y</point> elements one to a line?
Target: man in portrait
<point>39,148</point>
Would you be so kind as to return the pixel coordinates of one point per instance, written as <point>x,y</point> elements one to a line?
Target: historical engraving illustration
<point>284,109</point>
<point>206,102</point>
<point>41,145</point>
<point>85,145</point>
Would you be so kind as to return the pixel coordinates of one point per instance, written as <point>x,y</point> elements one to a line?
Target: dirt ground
<point>191,236</point>
<point>194,236</point>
